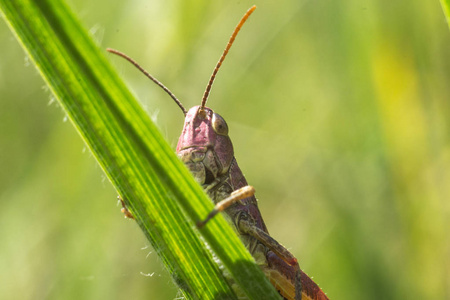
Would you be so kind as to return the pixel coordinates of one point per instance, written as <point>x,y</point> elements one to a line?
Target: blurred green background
<point>339,113</point>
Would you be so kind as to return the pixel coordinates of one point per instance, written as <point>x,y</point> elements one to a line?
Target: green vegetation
<point>149,177</point>
<point>339,115</point>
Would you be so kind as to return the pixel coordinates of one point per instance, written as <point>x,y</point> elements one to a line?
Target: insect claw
<point>124,210</point>
<point>211,215</point>
<point>200,224</point>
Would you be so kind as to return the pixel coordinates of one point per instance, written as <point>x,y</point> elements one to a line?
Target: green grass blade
<point>157,187</point>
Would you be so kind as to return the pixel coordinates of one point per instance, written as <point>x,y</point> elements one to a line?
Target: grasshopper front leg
<point>240,194</point>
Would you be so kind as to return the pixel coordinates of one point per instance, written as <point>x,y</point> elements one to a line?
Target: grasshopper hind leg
<point>284,277</point>
<point>283,269</point>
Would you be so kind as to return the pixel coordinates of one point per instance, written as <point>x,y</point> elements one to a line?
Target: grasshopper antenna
<point>149,76</point>
<point>224,54</point>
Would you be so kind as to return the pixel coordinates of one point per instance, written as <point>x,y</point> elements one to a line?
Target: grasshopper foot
<point>124,209</point>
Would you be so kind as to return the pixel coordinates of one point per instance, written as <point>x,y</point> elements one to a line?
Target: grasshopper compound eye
<point>219,125</point>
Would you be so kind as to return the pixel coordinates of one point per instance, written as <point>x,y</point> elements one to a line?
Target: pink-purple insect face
<point>204,145</point>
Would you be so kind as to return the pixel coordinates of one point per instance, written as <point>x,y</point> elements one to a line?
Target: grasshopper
<point>206,149</point>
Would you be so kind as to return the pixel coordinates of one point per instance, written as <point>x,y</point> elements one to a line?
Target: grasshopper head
<point>204,145</point>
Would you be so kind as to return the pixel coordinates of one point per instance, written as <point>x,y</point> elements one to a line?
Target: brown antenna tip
<point>224,54</point>
<point>114,51</point>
